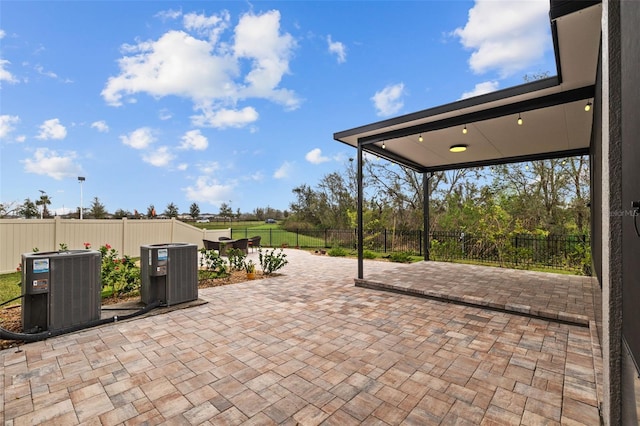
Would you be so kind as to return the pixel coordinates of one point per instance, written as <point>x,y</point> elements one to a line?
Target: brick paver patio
<point>551,296</point>
<point>308,347</point>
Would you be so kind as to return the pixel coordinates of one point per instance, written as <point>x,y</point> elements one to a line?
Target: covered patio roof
<point>555,123</point>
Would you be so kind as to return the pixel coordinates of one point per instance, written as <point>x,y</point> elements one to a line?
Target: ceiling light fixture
<point>519,120</point>
<point>383,147</point>
<point>587,107</point>
<point>464,130</point>
<point>458,148</point>
<point>420,139</point>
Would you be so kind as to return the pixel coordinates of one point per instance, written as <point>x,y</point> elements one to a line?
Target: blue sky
<point>232,102</point>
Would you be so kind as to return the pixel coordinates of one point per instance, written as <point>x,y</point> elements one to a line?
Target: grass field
<point>273,236</point>
<point>9,287</point>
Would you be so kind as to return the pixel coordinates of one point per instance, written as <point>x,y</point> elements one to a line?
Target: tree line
<point>39,208</point>
<point>539,197</point>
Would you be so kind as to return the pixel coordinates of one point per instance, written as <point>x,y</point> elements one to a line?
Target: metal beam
<point>487,114</point>
<point>360,215</point>
<point>511,160</point>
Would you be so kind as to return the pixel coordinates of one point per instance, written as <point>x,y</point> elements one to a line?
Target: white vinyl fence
<point>18,236</point>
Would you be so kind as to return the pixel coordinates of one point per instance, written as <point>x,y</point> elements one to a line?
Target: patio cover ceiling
<point>555,123</point>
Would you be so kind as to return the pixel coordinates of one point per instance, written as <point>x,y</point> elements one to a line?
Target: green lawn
<point>226,225</point>
<point>9,287</point>
<point>273,236</point>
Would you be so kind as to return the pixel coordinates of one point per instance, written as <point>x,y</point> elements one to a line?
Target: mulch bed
<point>11,317</point>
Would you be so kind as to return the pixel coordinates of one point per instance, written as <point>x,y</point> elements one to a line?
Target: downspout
<point>360,208</point>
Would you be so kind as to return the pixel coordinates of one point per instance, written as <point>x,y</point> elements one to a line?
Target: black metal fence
<point>570,252</point>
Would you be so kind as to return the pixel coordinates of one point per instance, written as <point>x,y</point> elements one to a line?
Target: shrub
<point>213,265</point>
<point>400,257</point>
<point>368,254</point>
<point>271,261</point>
<point>236,258</point>
<point>337,252</point>
<point>121,274</point>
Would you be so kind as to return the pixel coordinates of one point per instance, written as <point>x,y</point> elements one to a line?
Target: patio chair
<point>224,239</point>
<point>242,244</point>
<point>211,245</point>
<point>254,242</point>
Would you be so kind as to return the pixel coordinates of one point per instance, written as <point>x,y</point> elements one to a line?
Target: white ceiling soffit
<point>555,122</point>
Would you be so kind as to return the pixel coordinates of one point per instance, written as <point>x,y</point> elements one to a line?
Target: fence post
<point>297,238</point>
<point>420,241</point>
<point>325,238</point>
<point>270,237</point>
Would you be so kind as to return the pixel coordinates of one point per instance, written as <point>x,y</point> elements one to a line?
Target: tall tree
<point>579,168</point>
<point>120,213</point>
<point>43,202</point>
<point>171,210</point>
<point>226,211</point>
<point>97,210</point>
<point>28,209</point>
<point>308,206</point>
<point>337,201</point>
<point>194,210</point>
<point>151,211</point>
<point>7,209</point>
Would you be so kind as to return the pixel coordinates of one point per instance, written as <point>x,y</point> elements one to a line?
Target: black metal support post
<point>426,240</point>
<point>360,219</point>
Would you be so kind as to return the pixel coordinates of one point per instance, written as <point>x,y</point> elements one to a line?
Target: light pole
<point>42,202</point>
<point>81,179</point>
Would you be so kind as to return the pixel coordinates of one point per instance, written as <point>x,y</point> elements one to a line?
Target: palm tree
<point>44,201</point>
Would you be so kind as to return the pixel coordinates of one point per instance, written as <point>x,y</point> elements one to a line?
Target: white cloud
<point>168,14</point>
<point>258,39</point>
<point>506,35</point>
<point>193,139</point>
<point>481,89</point>
<point>176,64</point>
<point>315,156</point>
<point>160,157</point>
<point>209,190</point>
<point>210,26</point>
<point>139,139</point>
<point>257,176</point>
<point>214,74</point>
<point>182,166</point>
<point>164,114</point>
<point>283,171</point>
<point>100,126</point>
<point>52,129</point>
<point>5,75</point>
<point>208,167</point>
<point>337,48</point>
<point>388,100</point>
<point>223,118</point>
<point>40,69</point>
<point>7,124</point>
<point>50,163</point>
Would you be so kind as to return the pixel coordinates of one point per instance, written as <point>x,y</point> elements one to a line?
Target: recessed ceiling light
<point>458,148</point>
